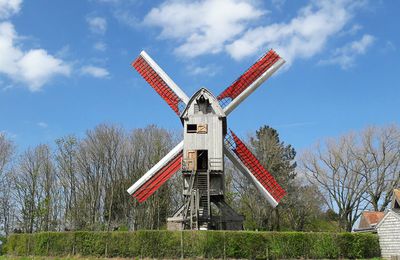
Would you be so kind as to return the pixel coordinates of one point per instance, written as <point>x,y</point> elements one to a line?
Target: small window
<point>202,129</point>
<point>209,109</point>
<point>191,128</point>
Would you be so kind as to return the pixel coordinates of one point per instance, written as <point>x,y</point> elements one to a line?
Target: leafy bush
<point>3,241</point>
<point>206,244</point>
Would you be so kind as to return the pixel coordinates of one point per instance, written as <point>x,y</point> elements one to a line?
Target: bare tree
<point>66,158</point>
<point>149,145</point>
<point>356,172</point>
<point>379,154</point>
<point>34,186</point>
<point>6,205</point>
<point>91,164</point>
<point>47,208</point>
<point>6,153</point>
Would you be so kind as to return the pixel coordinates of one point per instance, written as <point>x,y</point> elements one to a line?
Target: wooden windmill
<point>206,142</point>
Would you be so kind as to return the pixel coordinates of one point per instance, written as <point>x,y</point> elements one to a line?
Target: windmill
<point>206,142</point>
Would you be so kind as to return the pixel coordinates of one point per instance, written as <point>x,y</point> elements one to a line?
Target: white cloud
<point>198,70</point>
<point>303,36</point>
<point>42,124</point>
<point>9,8</point>
<point>123,11</point>
<point>354,29</point>
<point>203,70</point>
<point>37,67</point>
<point>207,27</point>
<point>94,71</point>
<point>97,24</point>
<point>202,26</point>
<point>100,46</point>
<point>34,67</point>
<point>124,16</point>
<point>346,55</point>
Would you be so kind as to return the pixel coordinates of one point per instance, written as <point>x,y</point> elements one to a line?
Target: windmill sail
<point>161,82</point>
<point>250,81</point>
<point>247,163</point>
<point>205,127</point>
<point>157,175</point>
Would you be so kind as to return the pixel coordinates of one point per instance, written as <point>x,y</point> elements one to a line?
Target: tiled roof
<point>373,217</point>
<point>370,219</point>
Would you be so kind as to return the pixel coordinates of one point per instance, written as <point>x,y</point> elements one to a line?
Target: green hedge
<point>210,244</point>
<point>2,243</point>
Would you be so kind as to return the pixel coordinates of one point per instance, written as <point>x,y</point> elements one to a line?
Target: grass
<point>53,258</point>
<point>85,258</point>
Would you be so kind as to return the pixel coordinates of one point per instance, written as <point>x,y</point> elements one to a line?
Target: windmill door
<point>192,160</point>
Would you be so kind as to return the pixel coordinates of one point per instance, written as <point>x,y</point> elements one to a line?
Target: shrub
<point>205,244</point>
<point>3,241</point>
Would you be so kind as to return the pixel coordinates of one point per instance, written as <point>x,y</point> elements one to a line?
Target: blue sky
<point>65,65</point>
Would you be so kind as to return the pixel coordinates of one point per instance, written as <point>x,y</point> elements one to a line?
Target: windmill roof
<point>218,110</point>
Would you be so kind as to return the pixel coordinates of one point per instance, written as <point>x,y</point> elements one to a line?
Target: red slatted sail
<point>151,76</point>
<point>251,75</point>
<point>251,162</point>
<point>158,179</point>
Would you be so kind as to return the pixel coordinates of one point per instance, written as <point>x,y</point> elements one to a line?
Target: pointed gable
<point>206,97</point>
<point>396,199</point>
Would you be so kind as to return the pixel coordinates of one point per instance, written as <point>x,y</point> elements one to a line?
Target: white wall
<point>389,235</point>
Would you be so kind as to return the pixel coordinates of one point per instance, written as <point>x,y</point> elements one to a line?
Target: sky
<point>65,65</point>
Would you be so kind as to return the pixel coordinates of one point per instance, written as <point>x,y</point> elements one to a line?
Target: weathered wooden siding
<point>212,141</point>
<point>389,235</point>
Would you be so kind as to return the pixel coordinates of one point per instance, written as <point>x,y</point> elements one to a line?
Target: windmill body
<point>204,207</point>
<point>206,142</point>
